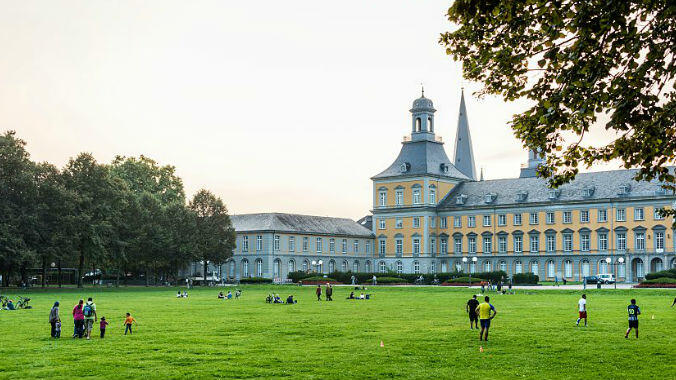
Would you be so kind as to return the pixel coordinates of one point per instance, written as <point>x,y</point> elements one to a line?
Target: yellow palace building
<point>432,214</point>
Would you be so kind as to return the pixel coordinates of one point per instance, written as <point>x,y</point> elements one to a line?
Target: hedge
<point>525,278</point>
<point>669,273</point>
<point>409,278</point>
<point>255,280</point>
<point>319,278</point>
<point>464,280</point>
<point>661,280</point>
<point>391,280</point>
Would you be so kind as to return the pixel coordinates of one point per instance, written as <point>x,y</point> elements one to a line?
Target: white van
<point>606,278</point>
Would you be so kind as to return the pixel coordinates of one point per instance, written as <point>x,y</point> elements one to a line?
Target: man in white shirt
<point>582,309</point>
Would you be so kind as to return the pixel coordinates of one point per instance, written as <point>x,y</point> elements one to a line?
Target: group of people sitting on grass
<point>275,298</point>
<point>84,317</point>
<point>228,296</point>
<point>361,296</point>
<point>490,286</point>
<point>182,295</point>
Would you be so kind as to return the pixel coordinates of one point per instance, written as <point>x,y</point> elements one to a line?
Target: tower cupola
<point>422,119</point>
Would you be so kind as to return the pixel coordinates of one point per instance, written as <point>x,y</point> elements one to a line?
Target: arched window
<point>433,267</point>
<point>503,266</point>
<point>534,267</point>
<point>332,266</point>
<point>305,266</point>
<point>518,267</point>
<point>416,267</point>
<point>259,268</point>
<point>276,268</point>
<point>551,269</point>
<point>343,267</point>
<point>245,268</point>
<point>355,266</point>
<point>621,270</point>
<point>231,268</point>
<point>472,267</point>
<point>383,267</point>
<point>568,268</point>
<point>400,267</point>
<point>292,266</point>
<point>368,266</point>
<point>430,125</point>
<point>603,267</point>
<point>418,126</point>
<point>487,266</point>
<point>585,268</point>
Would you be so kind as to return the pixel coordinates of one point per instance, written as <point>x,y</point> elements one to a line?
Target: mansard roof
<point>294,223</point>
<point>606,185</point>
<point>424,158</point>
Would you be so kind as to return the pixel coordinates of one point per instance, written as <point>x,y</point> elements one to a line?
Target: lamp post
<point>619,261</point>
<point>319,265</point>
<point>464,260</point>
<point>474,259</point>
<point>314,265</point>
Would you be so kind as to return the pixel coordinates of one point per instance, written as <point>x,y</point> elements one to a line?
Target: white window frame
<point>568,242</point>
<point>259,243</point>
<point>518,219</point>
<point>318,245</point>
<point>457,221</point>
<point>292,243</point>
<point>603,241</point>
<point>567,217</point>
<point>416,196</point>
<point>502,244</point>
<point>533,218</point>
<point>442,222</point>
<point>585,242</point>
<point>550,217</point>
<point>602,215</point>
<point>502,219</point>
<point>245,244</point>
<point>399,197</point>
<point>382,198</point>
<point>550,243</point>
<point>487,220</point>
<point>416,246</point>
<point>399,246</point>
<point>306,244</point>
<point>639,214</point>
<point>471,221</point>
<point>584,216</point>
<point>381,223</point>
<point>471,244</point>
<point>518,243</point>
<point>488,244</point>
<point>621,215</point>
<point>276,243</point>
<point>534,243</point>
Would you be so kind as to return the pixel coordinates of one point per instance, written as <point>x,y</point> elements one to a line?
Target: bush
<point>661,280</point>
<point>255,280</point>
<point>464,280</point>
<point>298,276</point>
<point>319,278</point>
<point>525,278</point>
<point>391,280</point>
<point>669,273</point>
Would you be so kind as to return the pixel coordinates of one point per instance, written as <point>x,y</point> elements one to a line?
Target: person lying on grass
<point>221,296</point>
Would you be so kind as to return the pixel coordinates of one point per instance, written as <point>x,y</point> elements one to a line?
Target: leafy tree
<point>215,237</point>
<point>17,192</point>
<point>576,60</point>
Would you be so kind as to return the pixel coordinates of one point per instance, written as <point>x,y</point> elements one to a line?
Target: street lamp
<point>319,265</point>
<point>619,261</point>
<point>464,260</point>
<point>314,265</point>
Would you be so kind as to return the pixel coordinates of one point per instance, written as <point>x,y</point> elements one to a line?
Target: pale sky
<point>286,106</point>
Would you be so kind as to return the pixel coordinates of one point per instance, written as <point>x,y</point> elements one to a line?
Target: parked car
<point>607,278</point>
<point>592,279</point>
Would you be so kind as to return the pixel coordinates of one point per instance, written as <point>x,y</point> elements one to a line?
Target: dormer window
<point>443,168</point>
<point>460,199</point>
<point>588,192</point>
<point>521,196</point>
<point>404,167</point>
<point>489,198</point>
<point>554,193</point>
<point>624,190</point>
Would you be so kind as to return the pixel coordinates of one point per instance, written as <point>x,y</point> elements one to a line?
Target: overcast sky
<point>274,106</point>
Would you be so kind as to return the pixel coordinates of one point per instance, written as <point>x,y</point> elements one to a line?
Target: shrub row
<point>525,278</point>
<point>464,280</point>
<point>408,278</point>
<point>661,280</point>
<point>255,280</point>
<point>669,273</point>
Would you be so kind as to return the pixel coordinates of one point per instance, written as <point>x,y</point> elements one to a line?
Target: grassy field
<point>425,333</point>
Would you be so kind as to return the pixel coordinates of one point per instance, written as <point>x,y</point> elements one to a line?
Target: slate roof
<point>366,222</point>
<point>606,185</point>
<point>425,158</point>
<point>463,156</point>
<point>295,223</point>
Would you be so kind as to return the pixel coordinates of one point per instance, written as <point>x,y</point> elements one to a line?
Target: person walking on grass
<point>55,320</point>
<point>485,317</point>
<point>102,326</point>
<point>319,292</point>
<point>582,310</point>
<point>78,320</point>
<point>471,306</point>
<point>127,323</point>
<point>633,312</point>
<point>329,292</point>
<point>89,312</point>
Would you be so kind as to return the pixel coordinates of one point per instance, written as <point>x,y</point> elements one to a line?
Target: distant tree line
<point>129,217</point>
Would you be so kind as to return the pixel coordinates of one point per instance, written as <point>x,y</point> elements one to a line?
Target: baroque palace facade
<point>431,214</point>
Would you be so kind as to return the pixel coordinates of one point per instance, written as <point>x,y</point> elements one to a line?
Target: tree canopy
<point>583,64</point>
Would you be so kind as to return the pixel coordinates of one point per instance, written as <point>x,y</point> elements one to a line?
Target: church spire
<point>464,156</point>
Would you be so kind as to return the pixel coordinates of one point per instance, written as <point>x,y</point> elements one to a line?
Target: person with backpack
<point>78,319</point>
<point>89,312</point>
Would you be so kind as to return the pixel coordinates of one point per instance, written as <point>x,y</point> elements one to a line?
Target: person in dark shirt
<point>471,310</point>
<point>634,312</point>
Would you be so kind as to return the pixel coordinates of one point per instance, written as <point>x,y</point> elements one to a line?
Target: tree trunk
<point>147,276</point>
<point>204,275</point>
<point>117,277</point>
<point>59,275</point>
<point>44,271</point>
<point>80,267</point>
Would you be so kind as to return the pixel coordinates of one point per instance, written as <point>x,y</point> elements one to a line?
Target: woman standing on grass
<point>78,319</point>
<point>54,318</point>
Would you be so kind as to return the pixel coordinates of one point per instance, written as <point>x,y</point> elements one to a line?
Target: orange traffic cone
<point>481,349</point>
<point>382,344</point>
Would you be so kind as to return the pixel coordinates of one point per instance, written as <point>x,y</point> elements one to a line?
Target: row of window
<point>416,196</point>
<point>534,243</point>
<point>305,266</point>
<point>533,218</point>
<point>551,270</point>
<point>305,244</point>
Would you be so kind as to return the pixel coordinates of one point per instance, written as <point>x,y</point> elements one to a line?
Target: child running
<point>102,326</point>
<point>634,312</point>
<point>127,323</point>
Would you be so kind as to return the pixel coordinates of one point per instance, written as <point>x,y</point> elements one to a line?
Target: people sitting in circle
<point>351,297</point>
<point>221,296</point>
<point>290,300</point>
<point>238,293</point>
<point>362,296</point>
<point>269,298</point>
<point>278,299</point>
<point>229,295</point>
<point>185,294</point>
<point>10,305</point>
<point>178,295</point>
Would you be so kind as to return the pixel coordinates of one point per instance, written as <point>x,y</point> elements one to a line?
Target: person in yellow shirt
<point>484,310</point>
<point>127,323</point>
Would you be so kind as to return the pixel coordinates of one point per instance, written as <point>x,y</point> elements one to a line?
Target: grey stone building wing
<point>520,191</point>
<point>294,223</point>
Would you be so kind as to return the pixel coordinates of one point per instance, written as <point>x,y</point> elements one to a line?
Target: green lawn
<point>424,330</point>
